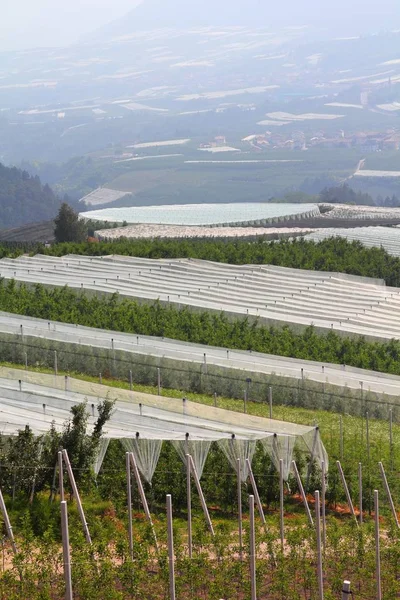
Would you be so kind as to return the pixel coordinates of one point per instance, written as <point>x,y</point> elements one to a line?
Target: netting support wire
<point>201,495</point>
<point>346,490</point>
<point>61,475</point>
<point>323,503</point>
<point>129,496</point>
<point>255,490</point>
<point>377,548</point>
<point>142,495</point>
<point>388,493</point>
<point>281,505</point>
<point>239,503</point>
<point>312,456</point>
<point>189,505</point>
<point>319,550</point>
<point>252,550</point>
<point>66,551</point>
<point>77,497</point>
<point>171,558</point>
<point>7,522</point>
<point>302,493</point>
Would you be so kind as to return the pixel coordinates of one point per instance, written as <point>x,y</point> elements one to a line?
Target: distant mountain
<point>338,16</point>
<point>23,199</point>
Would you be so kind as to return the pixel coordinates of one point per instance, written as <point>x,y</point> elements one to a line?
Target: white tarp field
<point>344,303</point>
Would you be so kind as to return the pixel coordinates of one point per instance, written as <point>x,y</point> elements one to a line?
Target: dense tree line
<point>68,306</point>
<point>23,199</point>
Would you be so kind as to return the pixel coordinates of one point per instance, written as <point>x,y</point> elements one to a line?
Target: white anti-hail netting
<point>142,422</point>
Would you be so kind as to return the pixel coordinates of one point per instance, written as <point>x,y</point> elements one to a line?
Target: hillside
<point>256,13</point>
<point>23,199</point>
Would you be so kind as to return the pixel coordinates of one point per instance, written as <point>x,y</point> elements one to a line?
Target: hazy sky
<point>30,23</point>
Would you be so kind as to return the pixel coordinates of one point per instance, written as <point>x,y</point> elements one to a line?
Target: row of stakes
<point>254,501</point>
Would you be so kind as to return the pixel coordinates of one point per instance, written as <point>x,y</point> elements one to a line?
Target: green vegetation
<point>68,226</point>
<point>24,199</point>
<point>335,254</point>
<point>214,570</point>
<point>68,306</point>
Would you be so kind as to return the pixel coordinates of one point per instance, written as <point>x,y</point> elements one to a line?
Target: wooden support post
<point>281,504</point>
<point>77,497</point>
<point>171,557</point>
<point>388,493</point>
<point>346,490</point>
<point>189,505</point>
<point>239,504</point>
<point>252,551</point>
<point>129,497</point>
<point>61,476</point>
<point>377,548</point>
<point>303,496</point>
<point>255,490</point>
<point>319,551</point>
<point>270,401</point>
<point>7,523</point>
<point>66,551</point>
<point>323,502</point>
<point>201,495</point>
<point>142,495</point>
<point>360,493</point>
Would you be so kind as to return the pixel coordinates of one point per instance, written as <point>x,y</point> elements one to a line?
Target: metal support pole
<point>377,548</point>
<point>61,476</point>
<point>171,558</point>
<point>66,551</point>
<point>312,456</point>
<point>255,490</point>
<point>367,437</point>
<point>66,383</point>
<point>215,399</point>
<point>346,490</point>
<point>100,379</point>
<point>189,504</point>
<point>239,503</point>
<point>26,360</point>
<point>245,402</point>
<point>303,496</point>
<point>341,437</point>
<point>7,522</point>
<point>346,590</point>
<point>130,381</point>
<point>388,493</point>
<point>55,363</point>
<point>201,495</point>
<point>77,497</point>
<point>391,437</point>
<point>142,494</point>
<point>159,381</point>
<point>323,502</point>
<point>252,550</point>
<point>129,496</point>
<point>319,551</point>
<point>360,492</point>
<point>281,504</point>
<point>270,401</point>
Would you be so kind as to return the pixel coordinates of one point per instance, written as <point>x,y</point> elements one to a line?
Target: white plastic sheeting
<point>103,447</point>
<point>280,447</point>
<point>146,453</point>
<point>142,422</point>
<point>198,450</point>
<point>280,295</point>
<point>235,449</point>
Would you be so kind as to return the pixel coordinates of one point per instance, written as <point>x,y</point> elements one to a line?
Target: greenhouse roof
<point>138,419</point>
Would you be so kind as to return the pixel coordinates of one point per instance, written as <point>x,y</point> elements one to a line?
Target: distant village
<point>367,141</point>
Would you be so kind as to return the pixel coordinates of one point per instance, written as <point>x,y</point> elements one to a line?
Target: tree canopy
<point>68,226</point>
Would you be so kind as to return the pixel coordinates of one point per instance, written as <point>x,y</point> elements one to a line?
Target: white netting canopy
<point>142,422</point>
